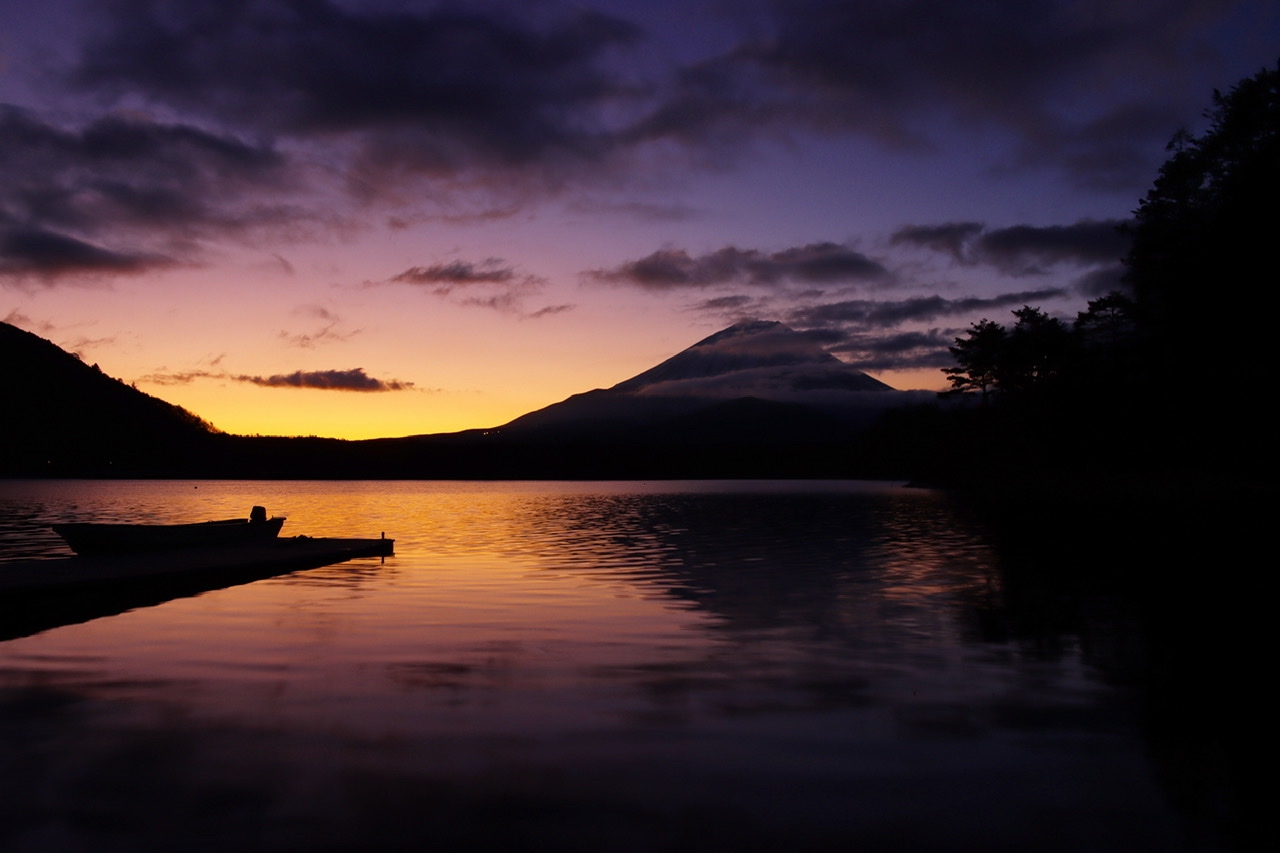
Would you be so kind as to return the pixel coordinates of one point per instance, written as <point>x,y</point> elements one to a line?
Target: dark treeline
<point>1164,380</point>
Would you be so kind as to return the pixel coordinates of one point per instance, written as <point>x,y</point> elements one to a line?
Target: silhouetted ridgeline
<point>694,416</point>
<point>66,419</point>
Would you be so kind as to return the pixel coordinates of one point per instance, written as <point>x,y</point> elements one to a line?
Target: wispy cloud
<point>909,350</point>
<point>491,283</point>
<point>952,238</point>
<point>24,321</point>
<point>222,121</point>
<point>1027,250</point>
<point>668,269</point>
<point>869,313</point>
<point>734,304</point>
<point>354,379</point>
<point>43,255</point>
<point>180,377</point>
<point>889,71</point>
<point>549,311</point>
<point>445,278</point>
<point>1021,249</point>
<point>329,332</point>
<point>121,195</point>
<point>414,89</point>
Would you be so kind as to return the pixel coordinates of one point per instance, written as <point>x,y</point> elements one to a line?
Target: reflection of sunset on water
<point>924,551</point>
<point>599,647</point>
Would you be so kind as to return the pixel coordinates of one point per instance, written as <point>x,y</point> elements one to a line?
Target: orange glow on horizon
<point>249,410</point>
<point>929,379</point>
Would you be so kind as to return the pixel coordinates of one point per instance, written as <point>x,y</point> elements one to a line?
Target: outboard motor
<point>258,515</point>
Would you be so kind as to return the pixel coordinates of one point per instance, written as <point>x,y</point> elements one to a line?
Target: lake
<point>590,666</point>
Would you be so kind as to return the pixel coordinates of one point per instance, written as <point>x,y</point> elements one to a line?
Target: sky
<point>367,218</point>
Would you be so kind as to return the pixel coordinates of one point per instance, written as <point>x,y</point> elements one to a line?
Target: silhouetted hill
<point>757,399</point>
<point>62,416</point>
<point>754,354</point>
<point>808,394</point>
<point>750,420</point>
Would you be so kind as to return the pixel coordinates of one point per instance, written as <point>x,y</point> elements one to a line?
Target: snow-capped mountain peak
<point>745,354</point>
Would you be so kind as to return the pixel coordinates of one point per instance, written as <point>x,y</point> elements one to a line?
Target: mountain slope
<point>755,400</point>
<point>61,415</point>
<point>749,351</point>
<point>788,375</point>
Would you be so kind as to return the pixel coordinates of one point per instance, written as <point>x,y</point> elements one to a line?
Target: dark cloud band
<point>34,252</point>
<point>867,313</point>
<point>80,200</point>
<point>427,86</point>
<point>328,380</point>
<point>1021,249</point>
<point>669,269</point>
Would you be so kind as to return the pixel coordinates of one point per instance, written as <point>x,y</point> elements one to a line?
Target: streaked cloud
<point>124,195</point>
<point>180,377</point>
<point>668,269</point>
<point>40,254</point>
<point>491,283</point>
<point>445,277</point>
<point>354,379</point>
<point>952,238</point>
<point>908,350</point>
<point>25,321</point>
<point>412,87</point>
<point>549,311</point>
<point>904,74</point>
<point>1021,249</point>
<point>220,122</point>
<point>869,313</point>
<point>1026,249</point>
<point>329,333</point>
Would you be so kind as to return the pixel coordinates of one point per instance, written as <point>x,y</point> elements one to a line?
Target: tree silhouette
<point>1108,323</point>
<point>1013,364</point>
<point>1036,353</point>
<point>1107,343</point>
<point>1202,265</point>
<point>1203,251</point>
<point>1176,376</point>
<point>978,355</point>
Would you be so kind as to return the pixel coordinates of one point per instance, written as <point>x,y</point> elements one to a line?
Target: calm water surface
<point>579,666</point>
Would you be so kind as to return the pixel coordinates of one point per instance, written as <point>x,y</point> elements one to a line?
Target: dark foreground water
<point>597,666</point>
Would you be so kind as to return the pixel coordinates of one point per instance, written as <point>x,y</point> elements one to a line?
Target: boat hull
<point>89,539</point>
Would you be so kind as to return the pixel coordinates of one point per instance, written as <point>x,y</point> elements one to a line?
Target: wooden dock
<point>266,559</point>
<point>36,595</point>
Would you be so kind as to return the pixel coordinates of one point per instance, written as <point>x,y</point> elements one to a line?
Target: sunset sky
<point>363,218</point>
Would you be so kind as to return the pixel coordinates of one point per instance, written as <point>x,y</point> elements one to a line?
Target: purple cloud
<point>48,255</point>
<point>869,313</point>
<point>1021,249</point>
<point>668,269</point>
<point>327,380</point>
<point>491,284</point>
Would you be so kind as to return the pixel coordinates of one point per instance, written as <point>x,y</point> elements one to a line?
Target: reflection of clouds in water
<point>815,602</point>
<point>761,560</point>
<point>922,550</point>
<point>607,656</point>
<point>679,692</point>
